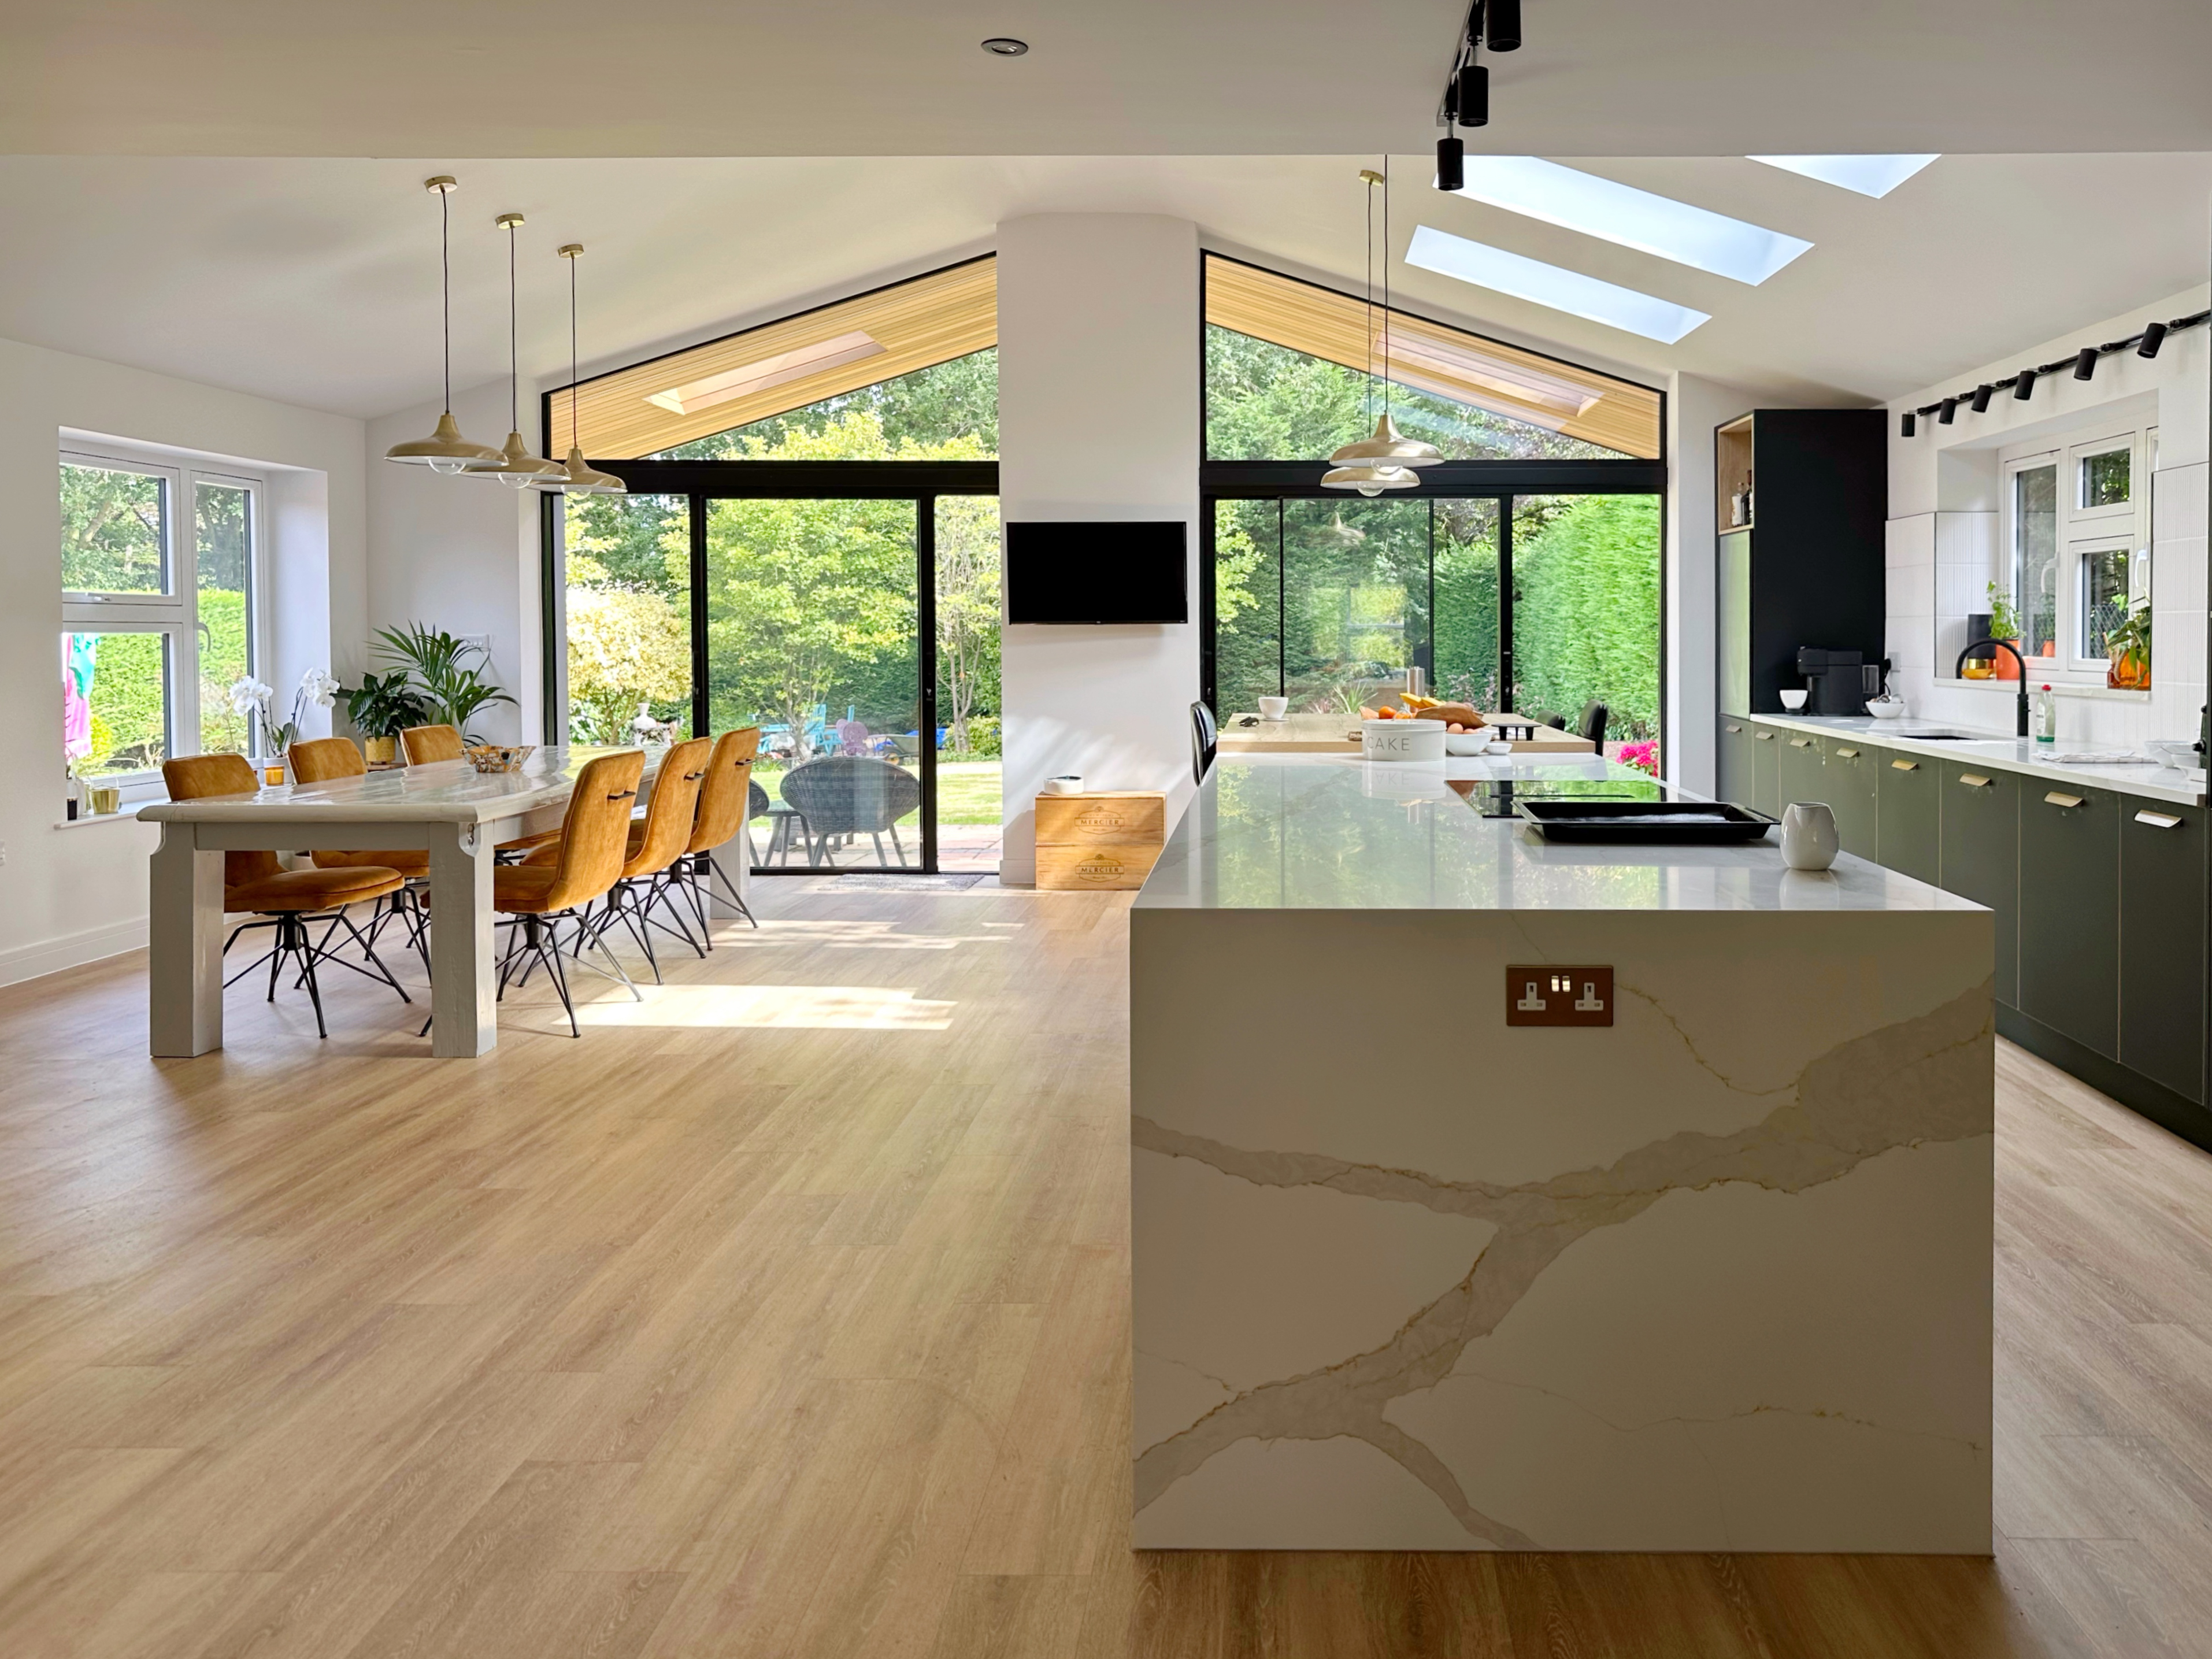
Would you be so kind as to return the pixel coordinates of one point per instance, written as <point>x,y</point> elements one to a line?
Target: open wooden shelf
<point>1731,469</point>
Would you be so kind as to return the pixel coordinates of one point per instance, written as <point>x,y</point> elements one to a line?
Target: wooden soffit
<point>782,366</point>
<point>1448,362</point>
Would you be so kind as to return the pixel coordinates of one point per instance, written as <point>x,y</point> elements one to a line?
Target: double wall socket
<point>1551,994</point>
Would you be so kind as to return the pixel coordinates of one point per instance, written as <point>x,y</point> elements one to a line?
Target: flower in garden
<point>1643,757</point>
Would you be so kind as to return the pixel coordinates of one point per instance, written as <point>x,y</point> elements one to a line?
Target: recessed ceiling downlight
<point>1005,46</point>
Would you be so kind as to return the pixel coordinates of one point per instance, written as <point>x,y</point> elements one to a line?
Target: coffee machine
<point>1839,680</point>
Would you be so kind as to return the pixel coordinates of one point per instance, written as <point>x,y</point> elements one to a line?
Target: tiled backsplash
<point>1940,565</point>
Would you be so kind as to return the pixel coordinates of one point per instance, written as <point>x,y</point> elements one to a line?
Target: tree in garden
<point>1586,612</point>
<point>967,613</point>
<point>627,645</point>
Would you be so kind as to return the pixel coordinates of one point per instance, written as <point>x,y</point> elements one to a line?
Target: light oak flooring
<point>787,1315</point>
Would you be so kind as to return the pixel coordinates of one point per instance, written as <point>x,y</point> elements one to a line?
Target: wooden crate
<point>1133,818</point>
<point>1105,840</point>
<point>1098,866</point>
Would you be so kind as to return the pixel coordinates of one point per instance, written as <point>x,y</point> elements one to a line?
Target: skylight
<point>784,367</point>
<point>1869,175</point>
<point>1634,218</point>
<point>1570,291</point>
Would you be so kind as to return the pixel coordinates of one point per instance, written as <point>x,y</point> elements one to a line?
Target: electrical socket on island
<point>1553,993</point>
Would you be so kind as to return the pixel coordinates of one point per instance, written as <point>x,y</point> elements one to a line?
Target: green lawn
<point>968,792</point>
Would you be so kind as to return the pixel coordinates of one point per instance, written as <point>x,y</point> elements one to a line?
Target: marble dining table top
<point>443,792</point>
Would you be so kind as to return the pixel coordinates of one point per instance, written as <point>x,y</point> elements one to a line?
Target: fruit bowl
<point>499,758</point>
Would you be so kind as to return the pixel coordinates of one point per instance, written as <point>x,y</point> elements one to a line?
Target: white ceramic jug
<point>1808,835</point>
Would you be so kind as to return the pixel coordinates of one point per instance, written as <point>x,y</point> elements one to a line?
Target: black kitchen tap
<point>1959,672</point>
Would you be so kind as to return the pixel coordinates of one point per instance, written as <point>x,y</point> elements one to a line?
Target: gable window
<point>2077,533</point>
<point>159,578</point>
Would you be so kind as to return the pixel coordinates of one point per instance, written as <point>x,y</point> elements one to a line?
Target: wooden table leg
<point>464,1017</point>
<point>185,932</point>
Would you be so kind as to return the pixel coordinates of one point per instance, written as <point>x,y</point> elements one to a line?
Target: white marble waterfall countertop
<point>1324,832</point>
<point>445,792</point>
<point>2142,776</point>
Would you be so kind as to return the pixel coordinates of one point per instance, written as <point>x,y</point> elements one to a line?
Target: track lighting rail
<point>2145,343</point>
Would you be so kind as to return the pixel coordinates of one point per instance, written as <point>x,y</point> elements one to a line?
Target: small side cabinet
<point>2069,911</point>
<point>1981,855</point>
<point>2162,944</point>
<point>1908,799</point>
<point>1848,766</point>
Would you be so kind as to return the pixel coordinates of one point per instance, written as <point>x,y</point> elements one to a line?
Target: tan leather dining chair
<point>650,852</point>
<point>585,865</point>
<point>255,882</point>
<point>320,760</point>
<point>724,797</point>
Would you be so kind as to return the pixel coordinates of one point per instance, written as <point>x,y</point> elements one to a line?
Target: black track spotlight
<point>2085,366</point>
<point>1501,25</point>
<point>1907,423</point>
<point>1950,408</point>
<point>2023,385</point>
<point>1473,98</point>
<point>1981,404</point>
<point>1451,164</point>
<point>2153,337</point>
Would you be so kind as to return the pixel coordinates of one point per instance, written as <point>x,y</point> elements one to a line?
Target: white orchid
<point>250,696</point>
<point>318,687</point>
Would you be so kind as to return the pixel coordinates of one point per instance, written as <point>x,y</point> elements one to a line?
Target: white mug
<point>1808,835</point>
<point>1273,708</point>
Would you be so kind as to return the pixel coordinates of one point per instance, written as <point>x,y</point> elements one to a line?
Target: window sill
<point>128,813</point>
<point>2059,688</point>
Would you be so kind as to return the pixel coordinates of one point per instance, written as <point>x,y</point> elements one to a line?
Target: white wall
<point>1944,536</point>
<point>1694,407</point>
<point>68,896</point>
<point>1098,398</point>
<point>461,554</point>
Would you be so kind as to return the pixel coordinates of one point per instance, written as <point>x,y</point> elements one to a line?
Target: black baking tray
<point>1678,822</point>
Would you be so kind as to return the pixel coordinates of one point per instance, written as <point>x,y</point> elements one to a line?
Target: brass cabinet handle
<point>1800,742</point>
<point>2056,799</point>
<point>2159,820</point>
<point>1904,766</point>
<point>1764,737</point>
<point>1847,754</point>
<point>1973,779</point>
<point>1735,728</point>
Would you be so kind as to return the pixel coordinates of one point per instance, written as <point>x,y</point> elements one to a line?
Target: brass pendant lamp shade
<point>577,477</point>
<point>516,467</point>
<point>1385,459</point>
<point>445,450</point>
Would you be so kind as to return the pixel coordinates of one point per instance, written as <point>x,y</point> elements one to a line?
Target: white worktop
<point>445,792</point>
<point>1323,832</point>
<point>2141,777</point>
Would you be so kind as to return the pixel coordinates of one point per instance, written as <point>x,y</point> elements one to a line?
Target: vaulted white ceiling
<point>1288,77</point>
<point>315,281</point>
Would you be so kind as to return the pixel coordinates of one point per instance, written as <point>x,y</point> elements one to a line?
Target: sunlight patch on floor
<point>784,1007</point>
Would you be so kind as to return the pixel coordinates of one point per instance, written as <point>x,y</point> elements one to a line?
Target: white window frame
<point>2081,531</point>
<point>174,615</point>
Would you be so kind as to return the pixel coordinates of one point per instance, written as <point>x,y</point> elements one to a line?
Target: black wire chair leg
<point>730,888</point>
<point>369,950</point>
<point>561,984</point>
<point>621,974</point>
<point>307,954</point>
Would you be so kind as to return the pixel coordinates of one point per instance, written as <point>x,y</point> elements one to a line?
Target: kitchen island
<point>1714,1276</point>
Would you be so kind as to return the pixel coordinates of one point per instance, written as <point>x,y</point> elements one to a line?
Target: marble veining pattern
<point>1920,1083</point>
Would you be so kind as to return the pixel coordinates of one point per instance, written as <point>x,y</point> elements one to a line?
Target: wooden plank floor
<point>787,1315</point>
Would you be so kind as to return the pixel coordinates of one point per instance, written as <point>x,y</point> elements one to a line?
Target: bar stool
<point>319,760</point>
<point>651,849</point>
<point>255,882</point>
<point>583,868</point>
<point>725,806</point>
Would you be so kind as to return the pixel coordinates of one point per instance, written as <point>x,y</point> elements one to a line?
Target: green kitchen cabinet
<point>2069,911</point>
<point>2161,944</point>
<point>1732,761</point>
<point>1802,776</point>
<point>1847,767</point>
<point>1908,811</point>
<point>1766,770</point>
<point>1980,840</point>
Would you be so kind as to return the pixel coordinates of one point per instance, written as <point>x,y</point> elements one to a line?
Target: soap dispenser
<point>2046,715</point>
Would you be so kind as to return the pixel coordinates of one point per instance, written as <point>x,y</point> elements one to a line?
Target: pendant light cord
<point>573,441</point>
<point>513,349</point>
<point>1386,282</point>
<point>445,286</point>
<point>1371,298</point>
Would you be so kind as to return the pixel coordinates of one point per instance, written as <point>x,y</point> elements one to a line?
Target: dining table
<point>458,814</point>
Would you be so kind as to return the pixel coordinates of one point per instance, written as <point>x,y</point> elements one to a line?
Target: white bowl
<point>1793,701</point>
<point>1466,744</point>
<point>1402,740</point>
<point>1887,708</point>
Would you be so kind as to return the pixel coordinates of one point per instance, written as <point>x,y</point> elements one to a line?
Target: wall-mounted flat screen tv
<point>1097,573</point>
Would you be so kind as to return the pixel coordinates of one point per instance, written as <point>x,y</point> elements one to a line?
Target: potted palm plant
<point>380,708</point>
<point>448,673</point>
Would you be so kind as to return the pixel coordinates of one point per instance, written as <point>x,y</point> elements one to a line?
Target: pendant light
<point>516,467</point>
<point>445,450</point>
<point>1383,460</point>
<point>577,477</point>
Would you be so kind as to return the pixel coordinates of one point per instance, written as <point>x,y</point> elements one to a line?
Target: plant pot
<point>2130,672</point>
<point>2008,666</point>
<point>381,751</point>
